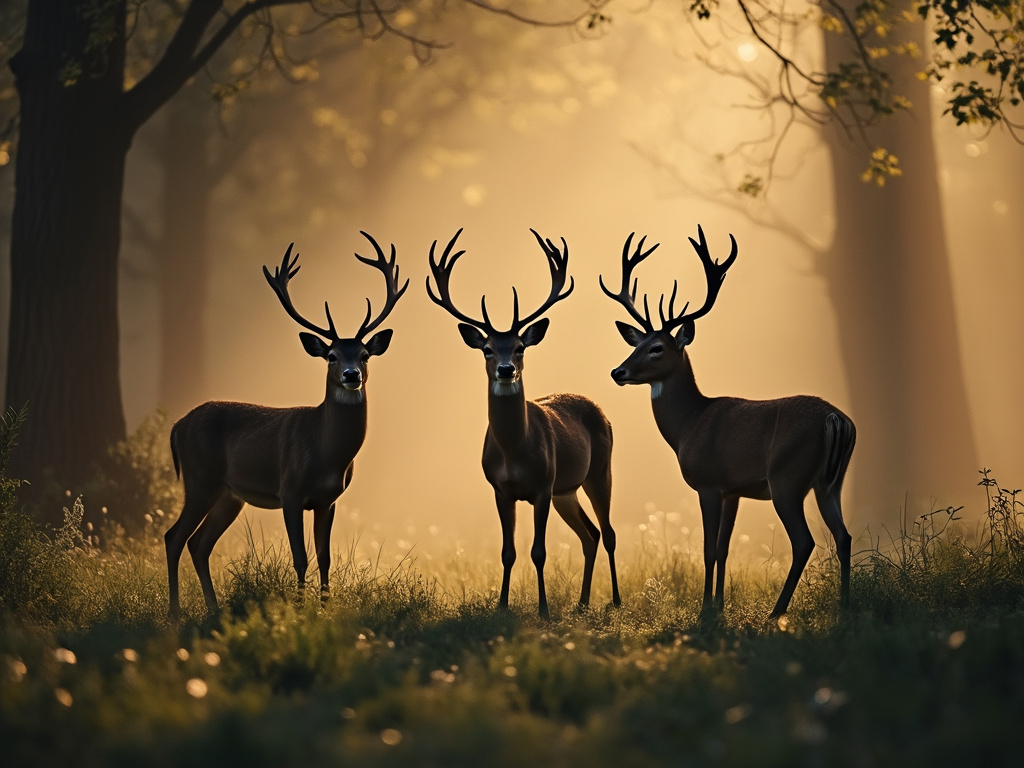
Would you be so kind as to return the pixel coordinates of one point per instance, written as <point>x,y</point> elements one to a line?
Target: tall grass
<point>400,668</point>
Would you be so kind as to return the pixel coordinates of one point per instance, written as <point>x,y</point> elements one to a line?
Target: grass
<point>403,668</point>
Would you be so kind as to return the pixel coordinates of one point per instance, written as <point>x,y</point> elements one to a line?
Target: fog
<point>589,140</point>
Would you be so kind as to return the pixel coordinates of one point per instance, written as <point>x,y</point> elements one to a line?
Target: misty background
<point>644,128</point>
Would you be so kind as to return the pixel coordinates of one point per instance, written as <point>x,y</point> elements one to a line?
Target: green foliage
<point>10,424</point>
<point>985,38</point>
<point>136,485</point>
<point>398,669</point>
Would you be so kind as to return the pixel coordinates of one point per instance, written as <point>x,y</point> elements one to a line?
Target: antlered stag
<point>730,448</point>
<point>539,451</point>
<point>300,458</point>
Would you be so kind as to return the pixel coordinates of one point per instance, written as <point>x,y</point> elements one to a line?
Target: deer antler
<point>442,272</point>
<point>279,282</point>
<point>714,274</point>
<point>389,268</point>
<point>626,296</point>
<point>558,265</point>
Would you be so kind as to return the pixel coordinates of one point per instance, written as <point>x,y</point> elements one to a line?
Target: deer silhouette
<point>539,451</point>
<point>230,454</point>
<point>729,448</point>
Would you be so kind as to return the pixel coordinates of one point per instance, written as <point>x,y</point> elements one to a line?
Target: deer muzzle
<point>351,378</point>
<point>506,372</point>
<point>621,376</point>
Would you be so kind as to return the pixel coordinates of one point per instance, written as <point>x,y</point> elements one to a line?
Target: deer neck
<point>677,402</point>
<point>506,415</point>
<point>343,420</point>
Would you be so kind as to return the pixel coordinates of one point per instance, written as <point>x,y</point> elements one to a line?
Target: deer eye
<point>520,349</point>
<point>488,353</point>
<point>656,350</point>
<point>332,357</point>
<point>364,356</point>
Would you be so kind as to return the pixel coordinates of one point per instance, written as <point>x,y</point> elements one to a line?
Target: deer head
<point>346,358</point>
<point>656,351</point>
<point>503,350</point>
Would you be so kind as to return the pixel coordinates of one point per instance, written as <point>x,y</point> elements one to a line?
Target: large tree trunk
<point>889,279</point>
<point>183,253</point>
<point>63,336</point>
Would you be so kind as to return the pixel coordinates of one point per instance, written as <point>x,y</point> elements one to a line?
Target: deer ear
<point>633,336</point>
<point>472,336</point>
<point>379,342</point>
<point>685,334</point>
<point>535,333</point>
<point>313,345</point>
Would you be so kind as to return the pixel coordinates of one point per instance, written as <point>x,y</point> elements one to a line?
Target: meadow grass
<point>404,667</point>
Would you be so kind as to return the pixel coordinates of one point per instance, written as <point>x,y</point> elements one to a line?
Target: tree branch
<point>183,58</point>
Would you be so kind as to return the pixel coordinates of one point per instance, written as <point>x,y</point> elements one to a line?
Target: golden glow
<point>590,141</point>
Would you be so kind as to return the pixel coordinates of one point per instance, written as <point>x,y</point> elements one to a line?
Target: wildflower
<point>390,736</point>
<point>211,658</point>
<point>197,688</point>
<point>65,656</point>
<point>64,697</point>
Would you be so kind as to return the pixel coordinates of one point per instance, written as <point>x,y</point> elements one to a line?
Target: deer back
<point>258,452</point>
<point>743,446</point>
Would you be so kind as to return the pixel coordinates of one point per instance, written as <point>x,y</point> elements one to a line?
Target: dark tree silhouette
<point>80,108</point>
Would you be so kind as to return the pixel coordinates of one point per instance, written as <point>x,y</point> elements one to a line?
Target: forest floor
<point>403,668</point>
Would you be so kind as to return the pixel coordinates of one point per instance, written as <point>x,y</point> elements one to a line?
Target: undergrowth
<point>403,668</point>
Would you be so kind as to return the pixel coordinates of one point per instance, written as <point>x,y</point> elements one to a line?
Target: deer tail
<point>174,451</point>
<point>840,436</point>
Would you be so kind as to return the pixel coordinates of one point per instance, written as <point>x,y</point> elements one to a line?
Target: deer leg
<point>200,545</point>
<point>832,512</point>
<point>729,507</point>
<point>599,491</point>
<point>507,515</point>
<point>539,552</point>
<point>711,515</point>
<point>791,512</point>
<point>196,506</point>
<point>568,507</point>
<point>293,526</point>
<point>323,520</point>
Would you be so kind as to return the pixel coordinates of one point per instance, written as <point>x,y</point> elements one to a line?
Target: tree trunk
<point>889,279</point>
<point>63,336</point>
<point>183,253</point>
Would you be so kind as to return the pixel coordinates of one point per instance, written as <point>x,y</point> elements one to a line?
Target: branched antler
<point>714,274</point>
<point>279,282</point>
<point>627,296</point>
<point>558,265</point>
<point>442,272</point>
<point>389,268</point>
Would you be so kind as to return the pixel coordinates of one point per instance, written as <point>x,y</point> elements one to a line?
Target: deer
<point>539,451</point>
<point>230,454</point>
<point>730,448</point>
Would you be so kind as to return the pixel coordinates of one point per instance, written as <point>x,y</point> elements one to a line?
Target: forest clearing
<point>412,665</point>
